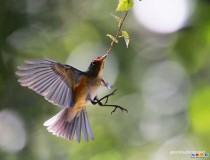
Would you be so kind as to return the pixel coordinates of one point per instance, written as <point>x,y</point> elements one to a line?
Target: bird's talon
<point>121,108</point>
<point>114,110</point>
<point>106,100</point>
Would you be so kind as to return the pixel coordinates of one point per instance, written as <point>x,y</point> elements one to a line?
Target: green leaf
<point>200,111</point>
<point>126,37</point>
<point>112,38</point>
<point>124,5</point>
<point>119,20</point>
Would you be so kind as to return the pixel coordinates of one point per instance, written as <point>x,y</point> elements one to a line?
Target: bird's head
<point>96,66</point>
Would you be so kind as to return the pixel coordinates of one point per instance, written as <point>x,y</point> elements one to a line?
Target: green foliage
<point>126,37</point>
<point>124,5</point>
<point>200,111</point>
<point>112,38</point>
<point>119,20</point>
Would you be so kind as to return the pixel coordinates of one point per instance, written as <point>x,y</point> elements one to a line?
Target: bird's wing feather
<point>50,79</point>
<point>103,83</point>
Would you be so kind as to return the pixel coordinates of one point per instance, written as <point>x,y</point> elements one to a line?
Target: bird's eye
<point>93,63</point>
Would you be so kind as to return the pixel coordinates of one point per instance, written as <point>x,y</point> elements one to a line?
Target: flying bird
<point>69,88</point>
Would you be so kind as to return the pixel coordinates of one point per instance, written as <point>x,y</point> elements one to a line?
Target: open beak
<point>101,59</point>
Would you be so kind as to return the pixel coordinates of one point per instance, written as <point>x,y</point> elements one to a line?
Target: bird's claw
<point>122,109</point>
<point>111,94</point>
<point>98,101</point>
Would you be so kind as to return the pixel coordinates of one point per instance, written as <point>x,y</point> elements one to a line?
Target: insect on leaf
<point>126,37</point>
<point>124,5</point>
<point>112,38</point>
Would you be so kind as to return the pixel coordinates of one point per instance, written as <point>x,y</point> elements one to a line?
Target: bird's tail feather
<point>68,122</point>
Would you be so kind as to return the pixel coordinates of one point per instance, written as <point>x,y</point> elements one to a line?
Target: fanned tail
<point>68,122</point>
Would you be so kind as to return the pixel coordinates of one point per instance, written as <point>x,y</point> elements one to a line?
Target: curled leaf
<point>112,38</point>
<point>124,5</point>
<point>119,20</point>
<point>126,37</point>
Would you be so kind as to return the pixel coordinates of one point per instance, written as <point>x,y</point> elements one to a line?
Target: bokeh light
<point>166,88</point>
<point>12,132</point>
<point>163,16</point>
<point>178,143</point>
<point>156,127</point>
<point>162,78</point>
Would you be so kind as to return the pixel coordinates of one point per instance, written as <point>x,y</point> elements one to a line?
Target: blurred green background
<point>163,78</point>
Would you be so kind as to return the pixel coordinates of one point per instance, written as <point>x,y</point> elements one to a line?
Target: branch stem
<point>117,34</point>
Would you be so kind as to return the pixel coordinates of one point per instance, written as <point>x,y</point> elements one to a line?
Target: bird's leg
<point>107,96</point>
<point>115,107</point>
<point>98,101</point>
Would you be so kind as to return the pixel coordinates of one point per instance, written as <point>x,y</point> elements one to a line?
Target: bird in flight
<point>69,88</point>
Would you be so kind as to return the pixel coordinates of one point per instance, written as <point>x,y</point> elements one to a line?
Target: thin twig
<point>117,34</point>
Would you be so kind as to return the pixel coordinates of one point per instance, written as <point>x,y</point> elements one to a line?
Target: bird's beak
<point>101,59</point>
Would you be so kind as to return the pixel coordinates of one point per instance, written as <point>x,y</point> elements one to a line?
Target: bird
<point>68,88</point>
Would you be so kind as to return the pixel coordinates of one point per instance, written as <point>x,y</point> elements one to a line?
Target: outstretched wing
<point>50,79</point>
